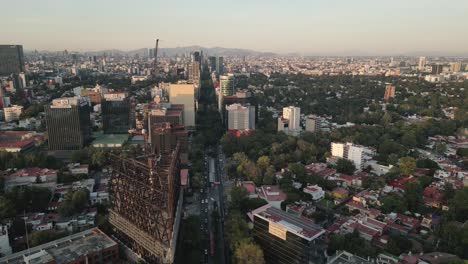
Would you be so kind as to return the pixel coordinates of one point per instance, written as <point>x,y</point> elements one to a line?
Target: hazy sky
<point>305,26</point>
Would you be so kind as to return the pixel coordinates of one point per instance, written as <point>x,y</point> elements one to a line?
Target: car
<point>206,220</point>
<point>206,210</point>
<point>206,251</point>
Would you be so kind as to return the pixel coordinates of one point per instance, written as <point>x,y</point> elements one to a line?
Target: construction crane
<point>155,62</point>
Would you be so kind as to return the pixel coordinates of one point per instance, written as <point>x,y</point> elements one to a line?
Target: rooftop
<point>109,139</point>
<point>272,193</point>
<point>64,250</point>
<point>300,226</point>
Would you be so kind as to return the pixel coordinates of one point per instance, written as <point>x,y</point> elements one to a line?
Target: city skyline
<point>309,28</point>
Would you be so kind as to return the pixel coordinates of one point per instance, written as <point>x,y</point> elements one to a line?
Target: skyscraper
<point>184,93</point>
<point>216,64</point>
<point>11,59</point>
<point>116,118</point>
<point>226,88</point>
<point>227,84</point>
<point>220,65</point>
<point>422,63</point>
<point>68,123</point>
<point>241,117</point>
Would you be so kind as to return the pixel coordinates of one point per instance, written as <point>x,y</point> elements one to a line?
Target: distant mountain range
<point>218,51</point>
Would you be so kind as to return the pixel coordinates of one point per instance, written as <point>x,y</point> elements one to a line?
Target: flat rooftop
<point>109,139</point>
<point>297,225</point>
<point>63,250</point>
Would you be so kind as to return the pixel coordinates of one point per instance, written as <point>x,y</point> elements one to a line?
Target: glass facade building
<point>116,118</point>
<point>68,124</point>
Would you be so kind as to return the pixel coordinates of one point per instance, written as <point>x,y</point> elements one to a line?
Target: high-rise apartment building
<point>240,117</point>
<point>422,63</point>
<point>293,114</point>
<point>184,93</point>
<point>68,123</point>
<point>437,69</point>
<point>286,238</point>
<point>116,113</point>
<point>312,123</point>
<point>389,91</point>
<point>194,72</point>
<point>456,66</point>
<point>350,152</point>
<point>11,59</point>
<point>290,121</point>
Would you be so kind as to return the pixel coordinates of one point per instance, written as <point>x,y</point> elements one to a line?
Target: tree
<point>413,196</point>
<point>398,244</point>
<point>7,208</point>
<point>459,205</point>
<point>236,229</point>
<point>407,165</point>
<point>298,171</point>
<point>248,253</point>
<point>393,203</point>
<point>263,163</point>
<point>269,177</point>
<point>74,202</point>
<point>441,147</point>
<point>238,193</point>
<point>97,156</point>
<point>345,166</point>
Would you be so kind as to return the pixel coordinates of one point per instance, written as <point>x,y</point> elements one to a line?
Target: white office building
<point>241,117</point>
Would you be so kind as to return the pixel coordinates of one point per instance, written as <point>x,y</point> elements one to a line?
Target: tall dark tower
<point>116,118</point>
<point>11,59</point>
<point>68,123</point>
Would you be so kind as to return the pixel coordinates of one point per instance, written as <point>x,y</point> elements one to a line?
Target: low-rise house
<point>20,141</point>
<point>315,168</point>
<point>76,169</point>
<point>378,169</point>
<point>340,193</point>
<point>315,191</point>
<point>364,210</point>
<point>46,178</point>
<point>250,187</point>
<point>272,194</point>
